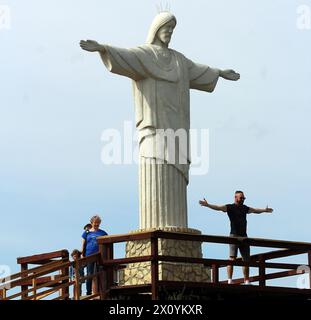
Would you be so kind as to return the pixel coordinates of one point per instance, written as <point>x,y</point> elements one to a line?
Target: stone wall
<point>140,273</point>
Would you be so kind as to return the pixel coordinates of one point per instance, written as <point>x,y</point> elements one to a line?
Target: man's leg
<point>246,274</point>
<point>230,270</point>
<point>245,253</point>
<point>233,250</point>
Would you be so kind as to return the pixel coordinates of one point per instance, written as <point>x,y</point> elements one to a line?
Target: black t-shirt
<point>237,215</point>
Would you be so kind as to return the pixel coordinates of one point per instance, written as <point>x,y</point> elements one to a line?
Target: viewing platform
<point>50,278</point>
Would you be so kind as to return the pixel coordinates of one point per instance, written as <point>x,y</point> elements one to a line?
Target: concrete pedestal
<point>140,273</point>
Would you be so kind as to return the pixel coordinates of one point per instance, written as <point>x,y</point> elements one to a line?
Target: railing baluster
<point>262,271</point>
<point>104,257</point>
<point>65,273</point>
<point>24,267</point>
<point>154,268</point>
<point>309,264</point>
<point>77,291</point>
<point>111,268</point>
<point>34,286</point>
<point>215,273</point>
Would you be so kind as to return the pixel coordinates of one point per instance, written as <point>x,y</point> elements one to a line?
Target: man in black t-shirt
<point>237,212</point>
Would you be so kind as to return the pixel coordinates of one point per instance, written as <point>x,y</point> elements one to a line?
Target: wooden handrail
<point>86,260</point>
<point>45,271</point>
<point>32,270</point>
<point>268,276</point>
<point>38,287</point>
<point>48,292</point>
<point>256,242</point>
<point>283,253</point>
<point>91,297</point>
<point>207,262</point>
<point>39,258</point>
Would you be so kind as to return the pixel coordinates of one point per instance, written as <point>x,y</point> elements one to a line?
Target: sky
<point>56,101</point>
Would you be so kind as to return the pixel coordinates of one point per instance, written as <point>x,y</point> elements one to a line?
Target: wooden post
<point>4,293</point>
<point>104,257</point>
<point>309,264</point>
<point>77,291</point>
<point>65,273</point>
<point>262,271</point>
<point>154,268</point>
<point>111,268</point>
<point>215,273</point>
<point>24,267</point>
<point>34,286</point>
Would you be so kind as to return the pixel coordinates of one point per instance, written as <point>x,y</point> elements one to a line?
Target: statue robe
<point>161,93</point>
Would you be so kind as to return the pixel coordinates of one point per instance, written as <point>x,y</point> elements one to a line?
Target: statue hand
<point>229,75</point>
<point>90,45</point>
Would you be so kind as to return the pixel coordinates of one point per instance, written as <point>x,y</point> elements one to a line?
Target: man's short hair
<point>239,191</point>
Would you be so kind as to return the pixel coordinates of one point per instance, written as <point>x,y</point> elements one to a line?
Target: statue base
<point>140,273</point>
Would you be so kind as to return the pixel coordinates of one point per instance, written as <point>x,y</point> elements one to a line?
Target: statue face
<point>165,32</point>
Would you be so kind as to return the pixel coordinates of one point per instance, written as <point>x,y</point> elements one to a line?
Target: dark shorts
<point>243,248</point>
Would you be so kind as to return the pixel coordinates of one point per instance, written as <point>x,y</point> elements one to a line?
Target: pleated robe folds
<point>161,94</point>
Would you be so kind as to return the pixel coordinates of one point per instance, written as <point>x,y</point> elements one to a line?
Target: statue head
<point>162,28</point>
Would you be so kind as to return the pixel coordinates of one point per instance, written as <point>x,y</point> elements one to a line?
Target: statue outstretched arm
<point>205,78</point>
<point>117,60</point>
<point>92,46</point>
<point>229,74</point>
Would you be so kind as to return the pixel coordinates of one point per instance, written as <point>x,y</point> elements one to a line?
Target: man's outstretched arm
<point>204,203</point>
<point>258,211</point>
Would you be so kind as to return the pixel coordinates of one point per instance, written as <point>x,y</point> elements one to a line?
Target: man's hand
<point>203,202</point>
<point>90,45</point>
<point>229,74</point>
<point>258,211</point>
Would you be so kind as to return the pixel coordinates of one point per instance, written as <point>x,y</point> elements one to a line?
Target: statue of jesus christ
<point>162,79</point>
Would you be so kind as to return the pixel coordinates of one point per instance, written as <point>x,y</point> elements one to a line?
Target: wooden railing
<point>51,279</point>
<point>44,259</point>
<point>258,261</point>
<point>96,277</point>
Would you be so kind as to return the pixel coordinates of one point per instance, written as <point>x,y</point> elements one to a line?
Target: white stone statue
<point>162,79</point>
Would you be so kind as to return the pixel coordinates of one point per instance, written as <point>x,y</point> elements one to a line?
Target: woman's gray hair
<point>96,217</point>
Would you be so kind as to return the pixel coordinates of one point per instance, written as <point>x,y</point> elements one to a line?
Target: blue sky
<point>56,100</point>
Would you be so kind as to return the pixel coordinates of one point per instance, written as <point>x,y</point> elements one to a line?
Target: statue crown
<point>161,8</point>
